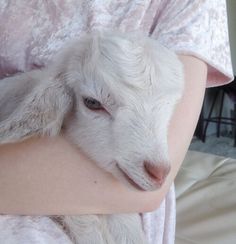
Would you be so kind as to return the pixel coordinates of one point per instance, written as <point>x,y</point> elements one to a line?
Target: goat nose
<point>157,173</point>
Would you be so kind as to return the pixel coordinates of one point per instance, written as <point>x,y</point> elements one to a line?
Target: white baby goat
<point>112,95</point>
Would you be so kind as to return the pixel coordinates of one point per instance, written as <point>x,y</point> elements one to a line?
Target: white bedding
<point>206,200</point>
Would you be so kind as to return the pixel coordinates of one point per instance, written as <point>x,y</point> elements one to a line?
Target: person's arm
<point>50,176</point>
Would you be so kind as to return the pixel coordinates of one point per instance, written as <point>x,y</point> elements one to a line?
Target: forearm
<point>49,176</point>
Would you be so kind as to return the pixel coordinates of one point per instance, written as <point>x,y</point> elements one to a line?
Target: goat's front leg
<point>84,229</point>
<point>126,228</point>
<point>104,229</point>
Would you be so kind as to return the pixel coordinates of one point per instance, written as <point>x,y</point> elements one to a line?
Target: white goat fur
<point>137,80</point>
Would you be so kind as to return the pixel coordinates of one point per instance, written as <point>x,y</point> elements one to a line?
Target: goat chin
<point>132,84</point>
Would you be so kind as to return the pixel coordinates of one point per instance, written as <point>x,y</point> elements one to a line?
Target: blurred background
<point>216,130</point>
<point>206,183</point>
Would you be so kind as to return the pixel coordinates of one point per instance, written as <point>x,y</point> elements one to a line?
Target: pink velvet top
<point>32,31</point>
<point>30,34</point>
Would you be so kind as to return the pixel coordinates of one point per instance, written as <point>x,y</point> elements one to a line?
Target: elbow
<point>152,206</point>
<point>152,201</point>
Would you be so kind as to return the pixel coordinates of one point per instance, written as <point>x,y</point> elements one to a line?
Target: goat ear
<point>41,112</point>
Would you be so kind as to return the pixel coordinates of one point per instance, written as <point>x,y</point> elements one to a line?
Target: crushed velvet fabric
<point>32,31</point>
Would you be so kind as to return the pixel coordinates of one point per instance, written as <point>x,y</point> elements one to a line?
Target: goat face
<point>114,95</point>
<point>125,93</point>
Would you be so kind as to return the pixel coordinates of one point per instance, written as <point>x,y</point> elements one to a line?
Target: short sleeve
<point>198,28</point>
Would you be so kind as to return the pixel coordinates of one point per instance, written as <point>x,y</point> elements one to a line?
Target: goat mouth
<point>129,179</point>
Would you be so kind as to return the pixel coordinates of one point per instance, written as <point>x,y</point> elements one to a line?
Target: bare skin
<point>50,176</point>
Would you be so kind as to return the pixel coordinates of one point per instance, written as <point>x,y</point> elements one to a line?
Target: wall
<point>231,8</point>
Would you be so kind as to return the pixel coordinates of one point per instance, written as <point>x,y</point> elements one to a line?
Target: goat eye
<point>92,103</point>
